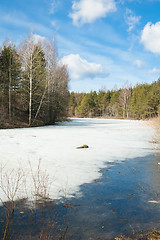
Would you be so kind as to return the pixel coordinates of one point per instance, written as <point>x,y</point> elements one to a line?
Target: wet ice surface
<point>119,203</point>
<point>113,181</point>
<point>68,168</point>
<point>116,204</point>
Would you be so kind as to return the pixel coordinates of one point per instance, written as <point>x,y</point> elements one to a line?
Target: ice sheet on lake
<point>68,167</point>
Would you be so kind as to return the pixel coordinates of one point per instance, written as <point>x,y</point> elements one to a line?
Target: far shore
<point>155,122</point>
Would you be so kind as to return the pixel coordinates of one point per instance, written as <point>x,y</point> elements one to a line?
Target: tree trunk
<point>9,94</point>
<point>30,94</point>
<point>40,104</point>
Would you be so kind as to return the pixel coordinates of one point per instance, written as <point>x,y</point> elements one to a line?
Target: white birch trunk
<point>30,93</point>
<point>9,94</point>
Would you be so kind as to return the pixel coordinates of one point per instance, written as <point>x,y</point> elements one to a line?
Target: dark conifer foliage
<point>10,81</point>
<point>139,102</point>
<point>34,90</point>
<point>33,85</point>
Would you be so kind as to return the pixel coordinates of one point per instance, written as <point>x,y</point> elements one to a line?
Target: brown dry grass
<point>155,235</point>
<point>155,122</point>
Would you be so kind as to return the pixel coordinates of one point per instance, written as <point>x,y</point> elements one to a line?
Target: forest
<point>34,90</point>
<point>139,102</point>
<point>33,84</point>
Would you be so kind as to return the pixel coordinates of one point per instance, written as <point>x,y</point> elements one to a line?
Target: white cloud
<point>131,19</point>
<point>138,63</point>
<point>80,68</point>
<point>18,19</point>
<point>151,37</point>
<point>15,19</point>
<point>124,1</point>
<point>53,6</point>
<point>87,11</point>
<point>155,71</point>
<point>55,24</point>
<point>37,38</point>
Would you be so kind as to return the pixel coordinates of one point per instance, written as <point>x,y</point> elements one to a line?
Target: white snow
<point>55,147</point>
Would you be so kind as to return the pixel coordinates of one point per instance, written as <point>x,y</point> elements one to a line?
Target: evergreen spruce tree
<point>10,78</point>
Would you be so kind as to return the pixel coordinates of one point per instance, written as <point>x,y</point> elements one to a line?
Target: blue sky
<point>105,43</point>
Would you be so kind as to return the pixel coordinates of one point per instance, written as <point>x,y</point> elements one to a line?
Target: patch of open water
<point>116,204</point>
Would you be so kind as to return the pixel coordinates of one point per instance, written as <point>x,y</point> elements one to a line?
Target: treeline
<point>33,84</point>
<point>139,102</point>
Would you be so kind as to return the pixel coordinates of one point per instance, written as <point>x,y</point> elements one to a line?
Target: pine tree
<point>10,78</point>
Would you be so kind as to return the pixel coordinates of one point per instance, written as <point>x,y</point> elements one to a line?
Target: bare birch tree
<point>33,76</point>
<point>35,86</point>
<point>26,53</point>
<point>57,80</point>
<point>124,97</point>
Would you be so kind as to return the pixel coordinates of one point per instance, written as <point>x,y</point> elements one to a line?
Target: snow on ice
<point>55,147</point>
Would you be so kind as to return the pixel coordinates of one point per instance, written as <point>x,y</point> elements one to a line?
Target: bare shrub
<point>10,182</point>
<point>41,182</point>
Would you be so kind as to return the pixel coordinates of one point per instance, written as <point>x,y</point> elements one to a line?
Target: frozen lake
<point>63,167</point>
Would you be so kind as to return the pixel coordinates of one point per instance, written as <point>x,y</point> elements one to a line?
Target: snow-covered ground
<point>66,166</point>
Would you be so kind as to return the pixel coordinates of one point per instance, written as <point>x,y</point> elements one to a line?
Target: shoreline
<point>152,122</point>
